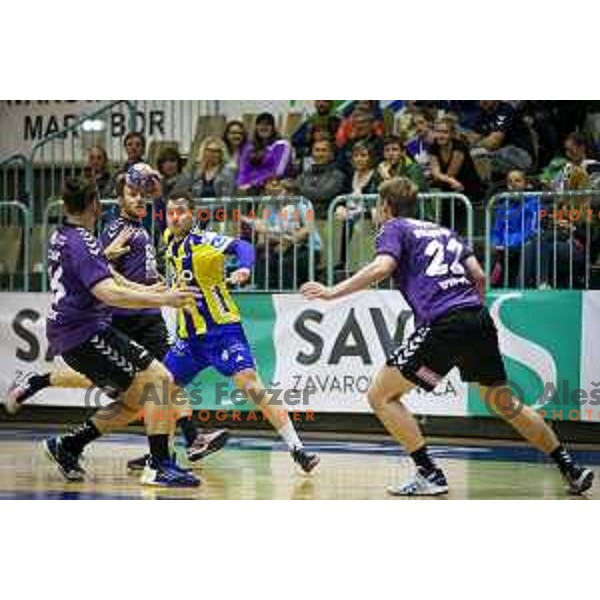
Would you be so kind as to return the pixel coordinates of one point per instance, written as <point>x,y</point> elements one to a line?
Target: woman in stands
<point>235,137</point>
<point>266,157</point>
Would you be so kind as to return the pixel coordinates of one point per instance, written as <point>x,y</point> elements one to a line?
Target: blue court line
<point>384,448</point>
<point>58,495</point>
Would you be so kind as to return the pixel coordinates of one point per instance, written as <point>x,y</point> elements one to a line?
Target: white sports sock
<point>287,431</point>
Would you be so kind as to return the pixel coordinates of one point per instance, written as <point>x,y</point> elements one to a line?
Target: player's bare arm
<point>113,294</point>
<point>377,270</point>
<point>476,275</point>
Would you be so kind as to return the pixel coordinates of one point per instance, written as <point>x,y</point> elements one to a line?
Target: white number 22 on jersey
<point>437,252</point>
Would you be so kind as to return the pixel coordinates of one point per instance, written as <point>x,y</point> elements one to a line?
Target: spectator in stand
<point>235,138</point>
<point>135,148</point>
<point>418,146</point>
<point>266,157</point>
<point>362,132</point>
<point>284,236</point>
<point>364,182</point>
<point>322,181</point>
<point>347,129</point>
<point>170,166</point>
<point>557,257</point>
<point>322,124</point>
<point>214,176</point>
<point>97,169</point>
<point>452,168</point>
<point>397,163</point>
<point>516,220</point>
<point>501,135</point>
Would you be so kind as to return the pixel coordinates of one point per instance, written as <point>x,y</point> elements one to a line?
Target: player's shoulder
<point>87,241</point>
<point>112,228</point>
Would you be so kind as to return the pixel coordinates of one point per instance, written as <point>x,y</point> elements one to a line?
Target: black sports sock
<point>563,459</point>
<point>36,383</point>
<point>76,440</point>
<point>159,446</point>
<point>189,430</point>
<point>423,460</point>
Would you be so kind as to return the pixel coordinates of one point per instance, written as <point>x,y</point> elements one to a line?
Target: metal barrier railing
<point>15,177</point>
<point>355,235</point>
<point>538,239</point>
<point>15,246</point>
<point>282,230</point>
<point>61,155</point>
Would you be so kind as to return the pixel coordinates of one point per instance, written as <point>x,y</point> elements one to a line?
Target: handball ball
<point>142,176</point>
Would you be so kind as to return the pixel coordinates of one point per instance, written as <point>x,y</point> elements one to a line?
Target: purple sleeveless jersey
<point>430,273</point>
<point>76,264</point>
<point>138,265</point>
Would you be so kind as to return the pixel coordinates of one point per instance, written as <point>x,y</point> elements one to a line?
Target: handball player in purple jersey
<point>128,246</point>
<point>439,276</point>
<point>84,291</point>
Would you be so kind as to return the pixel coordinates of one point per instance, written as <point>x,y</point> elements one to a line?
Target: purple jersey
<point>76,264</point>
<point>137,265</point>
<point>430,273</point>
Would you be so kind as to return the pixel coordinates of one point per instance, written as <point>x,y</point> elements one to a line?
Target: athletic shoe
<point>207,442</point>
<point>139,464</point>
<point>166,473</point>
<point>68,463</point>
<point>579,480</point>
<point>307,460</point>
<point>431,484</point>
<point>19,391</point>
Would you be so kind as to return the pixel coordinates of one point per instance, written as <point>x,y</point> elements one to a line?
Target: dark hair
<point>325,140</point>
<point>137,134</point>
<point>228,126</point>
<point>393,139</point>
<point>400,193</point>
<point>169,153</point>
<point>259,145</point>
<point>184,195</point>
<point>78,194</point>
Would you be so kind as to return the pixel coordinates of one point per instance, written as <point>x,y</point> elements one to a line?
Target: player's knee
<point>376,397</point>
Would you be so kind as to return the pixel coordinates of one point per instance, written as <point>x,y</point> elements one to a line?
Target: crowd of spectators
<point>468,147</point>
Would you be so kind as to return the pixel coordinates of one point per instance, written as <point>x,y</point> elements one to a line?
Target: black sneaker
<point>579,480</point>
<point>68,464</point>
<point>307,460</point>
<point>207,442</point>
<point>138,464</point>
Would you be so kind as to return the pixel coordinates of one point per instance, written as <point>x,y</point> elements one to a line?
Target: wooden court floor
<point>259,468</point>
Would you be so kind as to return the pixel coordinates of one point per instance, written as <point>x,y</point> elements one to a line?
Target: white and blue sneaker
<point>430,484</point>
<point>19,391</point>
<point>167,473</point>
<point>579,480</point>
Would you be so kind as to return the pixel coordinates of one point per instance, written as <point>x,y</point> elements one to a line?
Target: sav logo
<point>540,338</point>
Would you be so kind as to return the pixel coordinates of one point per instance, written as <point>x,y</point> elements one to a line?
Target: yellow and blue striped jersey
<point>198,261</point>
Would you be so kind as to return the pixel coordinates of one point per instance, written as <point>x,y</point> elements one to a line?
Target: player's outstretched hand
<point>178,299</point>
<point>118,247</point>
<point>313,290</point>
<point>239,277</point>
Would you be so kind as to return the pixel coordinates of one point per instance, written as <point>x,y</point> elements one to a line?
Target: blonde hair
<point>215,141</point>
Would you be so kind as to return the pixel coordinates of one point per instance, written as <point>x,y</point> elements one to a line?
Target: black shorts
<point>148,331</point>
<point>465,338</point>
<point>109,359</point>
